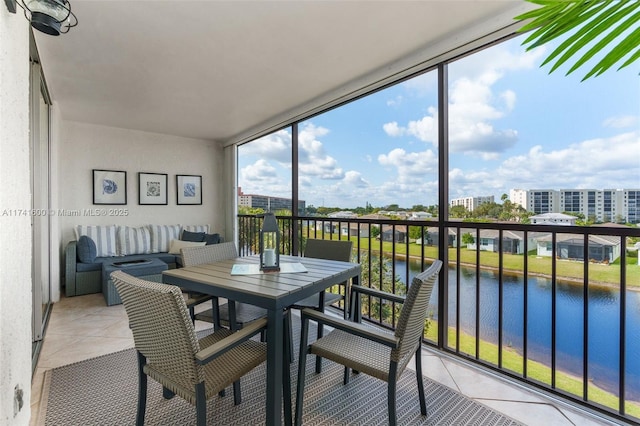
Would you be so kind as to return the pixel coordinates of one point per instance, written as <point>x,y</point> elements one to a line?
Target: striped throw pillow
<point>133,240</point>
<point>161,236</point>
<point>103,235</point>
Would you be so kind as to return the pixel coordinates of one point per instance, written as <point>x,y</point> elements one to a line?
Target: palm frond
<point>596,25</point>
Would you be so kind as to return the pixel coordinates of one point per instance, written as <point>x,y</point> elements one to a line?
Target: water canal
<point>603,316</point>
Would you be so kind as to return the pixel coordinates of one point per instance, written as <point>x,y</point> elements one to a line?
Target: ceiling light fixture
<point>53,17</point>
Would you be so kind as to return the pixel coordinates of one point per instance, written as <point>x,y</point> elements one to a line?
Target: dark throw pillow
<point>196,237</point>
<point>212,239</point>
<point>86,250</point>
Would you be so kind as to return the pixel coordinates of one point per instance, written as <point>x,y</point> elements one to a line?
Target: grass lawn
<point>513,361</point>
<point>565,269</point>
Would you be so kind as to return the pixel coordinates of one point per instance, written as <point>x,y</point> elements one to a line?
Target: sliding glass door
<point>40,205</point>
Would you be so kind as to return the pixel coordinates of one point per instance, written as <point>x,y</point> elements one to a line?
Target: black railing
<point>502,265</point>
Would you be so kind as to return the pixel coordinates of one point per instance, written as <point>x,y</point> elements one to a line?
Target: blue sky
<point>512,125</point>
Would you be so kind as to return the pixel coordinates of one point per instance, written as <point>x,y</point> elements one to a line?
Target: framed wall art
<point>109,187</point>
<point>189,189</point>
<point>152,188</point>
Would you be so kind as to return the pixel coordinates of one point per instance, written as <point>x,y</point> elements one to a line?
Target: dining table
<point>240,280</point>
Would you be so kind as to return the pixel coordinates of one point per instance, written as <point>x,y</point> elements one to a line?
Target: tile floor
<point>84,327</point>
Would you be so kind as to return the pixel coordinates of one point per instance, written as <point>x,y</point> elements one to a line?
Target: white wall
<point>83,147</point>
<point>15,228</point>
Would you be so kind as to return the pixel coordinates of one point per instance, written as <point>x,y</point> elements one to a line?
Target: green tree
<point>380,278</point>
<point>324,211</point>
<point>487,210</point>
<point>459,212</point>
<point>589,28</point>
<point>375,231</point>
<point>286,230</point>
<point>467,238</point>
<point>250,210</point>
<point>415,232</point>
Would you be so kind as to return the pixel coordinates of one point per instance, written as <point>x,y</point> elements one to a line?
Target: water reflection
<point>603,312</point>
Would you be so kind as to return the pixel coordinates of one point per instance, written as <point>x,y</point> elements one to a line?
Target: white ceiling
<point>219,70</point>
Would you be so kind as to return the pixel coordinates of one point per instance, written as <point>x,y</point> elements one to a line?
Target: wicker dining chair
<point>170,353</point>
<point>369,350</point>
<point>323,249</point>
<point>219,314</point>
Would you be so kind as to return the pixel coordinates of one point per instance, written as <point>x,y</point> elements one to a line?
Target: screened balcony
<point>565,326</point>
<point>195,88</point>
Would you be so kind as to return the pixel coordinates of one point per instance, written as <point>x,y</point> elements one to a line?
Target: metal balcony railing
<point>556,307</point>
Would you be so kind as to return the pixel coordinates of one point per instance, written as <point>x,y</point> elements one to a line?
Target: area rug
<point>103,391</point>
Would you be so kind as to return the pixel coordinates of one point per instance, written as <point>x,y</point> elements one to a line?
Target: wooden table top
<point>270,290</point>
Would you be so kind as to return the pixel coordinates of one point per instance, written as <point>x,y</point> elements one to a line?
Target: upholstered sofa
<point>95,245</point>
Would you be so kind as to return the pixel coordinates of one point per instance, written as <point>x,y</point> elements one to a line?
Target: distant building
<point>374,216</point>
<point>606,205</point>
<point>268,203</point>
<point>420,216</point>
<point>394,233</point>
<point>471,203</point>
<point>512,241</point>
<point>602,248</point>
<point>536,200</point>
<point>553,219</point>
<point>343,214</point>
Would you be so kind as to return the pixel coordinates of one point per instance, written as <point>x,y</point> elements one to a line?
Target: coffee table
<point>150,270</point>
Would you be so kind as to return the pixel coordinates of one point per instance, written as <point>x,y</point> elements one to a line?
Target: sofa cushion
<point>95,266</point>
<point>86,249</point>
<point>133,240</point>
<point>196,228</point>
<point>104,236</point>
<point>192,236</point>
<point>161,236</point>
<point>212,239</point>
<point>176,245</point>
<point>167,258</point>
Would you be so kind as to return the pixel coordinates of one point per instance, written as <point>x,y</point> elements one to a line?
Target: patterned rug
<point>103,391</point>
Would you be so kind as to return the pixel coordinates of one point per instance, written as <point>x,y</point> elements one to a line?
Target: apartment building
<point>471,203</point>
<point>268,203</point>
<point>603,205</point>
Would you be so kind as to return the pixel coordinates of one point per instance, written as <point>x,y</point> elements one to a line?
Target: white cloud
<point>355,179</point>
<point>422,85</point>
<point>259,170</point>
<point>313,160</point>
<point>600,163</point>
<point>395,102</point>
<point>411,169</point>
<point>276,146</point>
<point>473,105</point>
<point>489,65</point>
<point>509,98</point>
<point>409,162</point>
<point>261,177</point>
<point>392,129</point>
<point>425,129</point>
<point>621,122</point>
<point>597,163</point>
